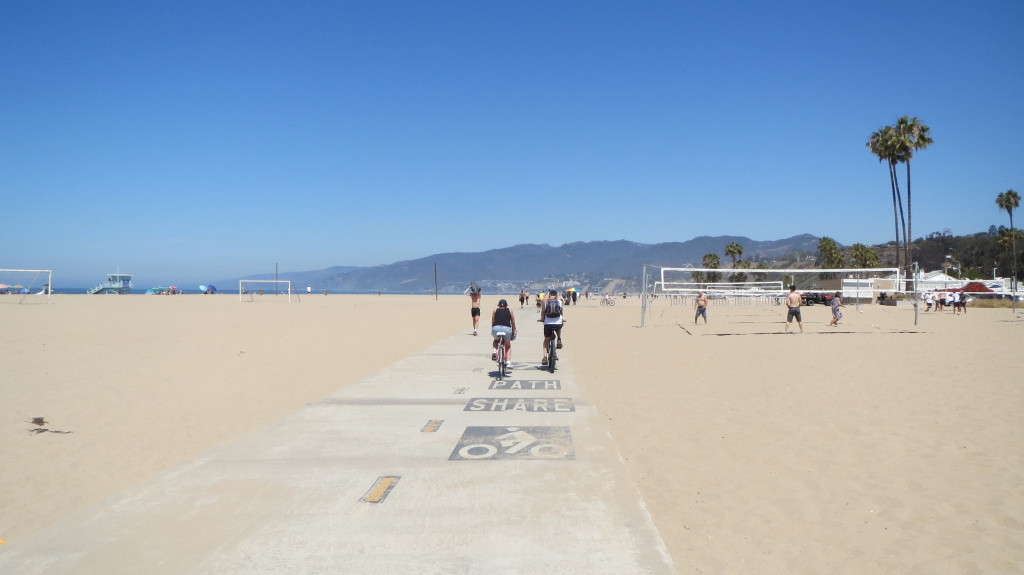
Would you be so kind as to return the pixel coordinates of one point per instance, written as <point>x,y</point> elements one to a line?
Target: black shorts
<point>475,311</point>
<point>794,313</point>
<point>552,330</point>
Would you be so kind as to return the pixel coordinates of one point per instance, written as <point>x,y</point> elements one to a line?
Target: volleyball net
<point>764,286</point>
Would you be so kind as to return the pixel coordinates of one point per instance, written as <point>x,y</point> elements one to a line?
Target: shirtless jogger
<point>473,291</point>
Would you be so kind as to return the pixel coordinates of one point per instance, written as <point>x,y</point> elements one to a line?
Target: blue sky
<point>189,141</point>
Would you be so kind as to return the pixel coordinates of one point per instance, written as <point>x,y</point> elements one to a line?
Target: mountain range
<point>590,265</point>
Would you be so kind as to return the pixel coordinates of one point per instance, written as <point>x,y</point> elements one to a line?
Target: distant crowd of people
<point>941,300</point>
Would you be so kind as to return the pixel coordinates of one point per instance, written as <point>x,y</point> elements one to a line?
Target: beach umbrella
<point>4,286</point>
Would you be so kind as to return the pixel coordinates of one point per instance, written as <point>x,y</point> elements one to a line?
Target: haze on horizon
<point>189,141</point>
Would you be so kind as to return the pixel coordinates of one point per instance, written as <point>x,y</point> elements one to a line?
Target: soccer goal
<point>265,290</point>
<point>24,286</point>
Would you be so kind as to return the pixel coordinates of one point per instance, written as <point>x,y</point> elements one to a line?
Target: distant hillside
<point>529,265</point>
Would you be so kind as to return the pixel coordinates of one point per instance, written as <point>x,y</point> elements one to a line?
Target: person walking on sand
<point>837,303</point>
<point>502,319</point>
<point>701,303</point>
<point>793,303</point>
<point>473,291</point>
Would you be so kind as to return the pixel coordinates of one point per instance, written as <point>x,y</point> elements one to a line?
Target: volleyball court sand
<point>877,446</point>
<point>873,447</point>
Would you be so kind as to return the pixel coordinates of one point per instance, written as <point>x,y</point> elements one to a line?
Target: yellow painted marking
<point>432,425</point>
<point>381,488</point>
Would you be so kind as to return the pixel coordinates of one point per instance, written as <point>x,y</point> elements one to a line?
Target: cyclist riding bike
<point>503,321</point>
<point>552,317</point>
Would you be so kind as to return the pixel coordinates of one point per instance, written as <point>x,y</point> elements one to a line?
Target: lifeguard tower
<point>116,284</point>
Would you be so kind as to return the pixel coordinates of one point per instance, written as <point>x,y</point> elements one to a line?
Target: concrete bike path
<point>428,466</point>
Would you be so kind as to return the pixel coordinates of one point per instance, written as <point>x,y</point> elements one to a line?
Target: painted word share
<point>544,404</point>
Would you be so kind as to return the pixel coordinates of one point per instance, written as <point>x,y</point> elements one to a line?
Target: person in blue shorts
<point>502,319</point>
<point>701,303</point>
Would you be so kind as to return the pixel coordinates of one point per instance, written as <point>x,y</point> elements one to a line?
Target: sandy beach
<point>876,446</point>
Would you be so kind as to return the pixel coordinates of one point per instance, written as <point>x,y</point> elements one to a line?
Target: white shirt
<point>552,320</point>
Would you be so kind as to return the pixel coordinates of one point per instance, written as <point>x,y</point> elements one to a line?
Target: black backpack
<point>552,309</point>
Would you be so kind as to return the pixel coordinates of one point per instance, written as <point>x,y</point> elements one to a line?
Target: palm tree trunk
<point>895,215</point>
<point>910,235</point>
<point>903,220</point>
<point>1013,246</point>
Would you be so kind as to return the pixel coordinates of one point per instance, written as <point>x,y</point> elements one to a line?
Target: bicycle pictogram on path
<point>514,443</point>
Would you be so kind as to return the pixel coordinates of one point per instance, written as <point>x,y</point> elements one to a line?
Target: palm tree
<point>885,144</point>
<point>760,276</point>
<point>863,256</point>
<point>1009,201</point>
<point>911,136</point>
<point>1005,240</point>
<point>741,276</point>
<point>711,261</point>
<point>896,145</point>
<point>733,250</point>
<point>831,256</point>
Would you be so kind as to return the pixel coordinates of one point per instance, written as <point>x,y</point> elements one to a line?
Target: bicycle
<point>501,336</point>
<point>556,338</point>
<point>552,354</point>
<point>607,302</point>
